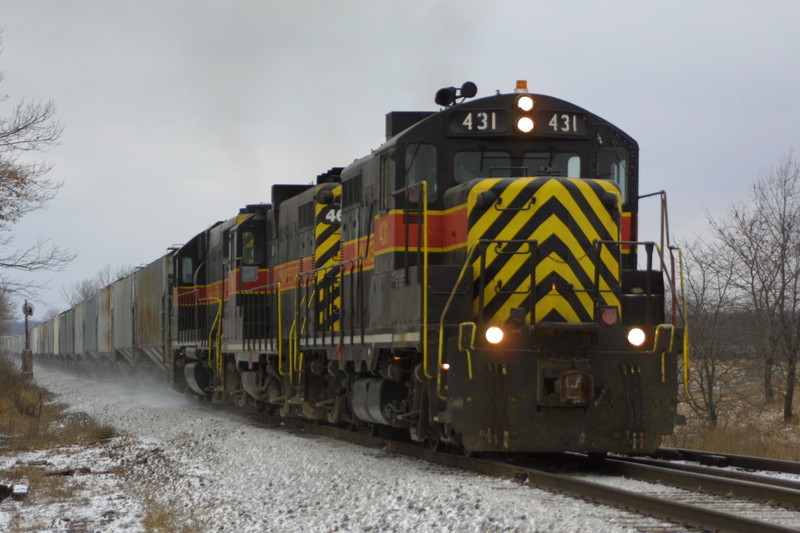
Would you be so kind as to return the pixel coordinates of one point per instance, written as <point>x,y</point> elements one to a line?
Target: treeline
<point>743,282</point>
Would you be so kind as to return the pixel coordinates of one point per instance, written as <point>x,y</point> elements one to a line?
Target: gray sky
<point>177,113</point>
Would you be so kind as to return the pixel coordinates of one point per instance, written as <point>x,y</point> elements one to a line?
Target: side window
<point>613,164</point>
<point>471,165</point>
<point>187,271</point>
<point>351,191</point>
<point>421,166</point>
<point>386,184</point>
<point>251,248</point>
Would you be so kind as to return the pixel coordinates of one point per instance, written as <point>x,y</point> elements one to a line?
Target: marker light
<point>609,316</point>
<point>636,337</point>
<point>494,335</point>
<point>525,124</point>
<point>525,103</point>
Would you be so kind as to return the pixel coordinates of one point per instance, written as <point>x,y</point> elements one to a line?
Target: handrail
<point>468,350</point>
<point>674,291</point>
<point>467,263</point>
<point>686,356</point>
<point>217,324</point>
<point>291,350</point>
<point>299,356</point>
<point>280,333</point>
<point>425,288</point>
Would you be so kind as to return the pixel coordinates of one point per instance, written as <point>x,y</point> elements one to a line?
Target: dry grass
<point>757,438</point>
<point>161,519</point>
<point>30,421</point>
<point>747,425</point>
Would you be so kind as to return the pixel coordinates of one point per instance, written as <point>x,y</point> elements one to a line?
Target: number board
<point>478,121</point>
<point>333,215</point>
<point>561,123</point>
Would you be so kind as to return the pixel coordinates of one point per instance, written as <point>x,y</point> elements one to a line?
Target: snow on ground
<point>98,499</point>
<point>214,470</point>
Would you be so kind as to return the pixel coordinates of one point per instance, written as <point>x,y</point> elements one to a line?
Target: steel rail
<point>723,459</point>
<point>665,509</point>
<point>709,481</point>
<point>732,474</point>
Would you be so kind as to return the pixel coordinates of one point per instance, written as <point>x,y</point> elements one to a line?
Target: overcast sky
<point>177,113</point>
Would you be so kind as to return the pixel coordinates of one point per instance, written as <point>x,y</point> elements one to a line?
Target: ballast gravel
<point>214,470</point>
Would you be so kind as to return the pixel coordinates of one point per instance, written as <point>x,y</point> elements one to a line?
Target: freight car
<point>476,281</point>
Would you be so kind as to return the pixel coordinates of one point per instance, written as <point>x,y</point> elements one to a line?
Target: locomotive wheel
<point>469,453</point>
<point>240,397</point>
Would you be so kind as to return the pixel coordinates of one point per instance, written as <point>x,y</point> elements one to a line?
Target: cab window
<point>187,271</point>
<point>566,164</point>
<point>471,165</point>
<point>613,164</point>
<point>251,248</point>
<point>420,162</point>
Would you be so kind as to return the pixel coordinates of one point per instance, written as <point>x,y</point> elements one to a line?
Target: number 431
<point>565,123</point>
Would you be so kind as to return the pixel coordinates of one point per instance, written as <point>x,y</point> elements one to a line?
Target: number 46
<point>333,216</point>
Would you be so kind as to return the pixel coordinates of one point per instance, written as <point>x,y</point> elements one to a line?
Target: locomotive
<point>475,282</point>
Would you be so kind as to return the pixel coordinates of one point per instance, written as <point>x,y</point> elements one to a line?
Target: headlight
<point>494,335</point>
<point>525,103</point>
<point>525,124</point>
<point>636,337</point>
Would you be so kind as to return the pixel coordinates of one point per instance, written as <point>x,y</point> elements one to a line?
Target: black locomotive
<point>474,281</point>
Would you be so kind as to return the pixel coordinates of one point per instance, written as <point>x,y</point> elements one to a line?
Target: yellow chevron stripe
<point>551,228</point>
<point>600,210</point>
<point>328,293</point>
<point>486,221</point>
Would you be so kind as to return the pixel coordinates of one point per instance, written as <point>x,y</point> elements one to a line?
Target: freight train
<point>476,282</point>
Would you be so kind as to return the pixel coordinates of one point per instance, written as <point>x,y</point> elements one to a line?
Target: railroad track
<point>757,487</point>
<point>704,513</point>
<point>721,459</point>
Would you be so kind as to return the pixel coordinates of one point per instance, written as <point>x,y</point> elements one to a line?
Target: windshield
<point>471,165</point>
<point>486,164</point>
<point>566,164</point>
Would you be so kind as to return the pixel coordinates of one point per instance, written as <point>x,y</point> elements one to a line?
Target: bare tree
<point>715,339</point>
<point>6,311</point>
<point>763,238</point>
<point>108,274</point>
<point>31,127</point>
<point>79,291</point>
<point>50,314</point>
<point>85,289</point>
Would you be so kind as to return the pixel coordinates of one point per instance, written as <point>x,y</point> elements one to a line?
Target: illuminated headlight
<point>525,103</point>
<point>494,335</point>
<point>636,337</point>
<point>525,124</point>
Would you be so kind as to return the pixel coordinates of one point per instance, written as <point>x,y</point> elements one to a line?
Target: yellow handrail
<point>425,278</point>
<point>280,333</point>
<point>468,350</point>
<point>217,324</point>
<point>291,349</point>
<point>446,308</point>
<point>474,327</point>
<point>683,313</point>
<point>686,357</point>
